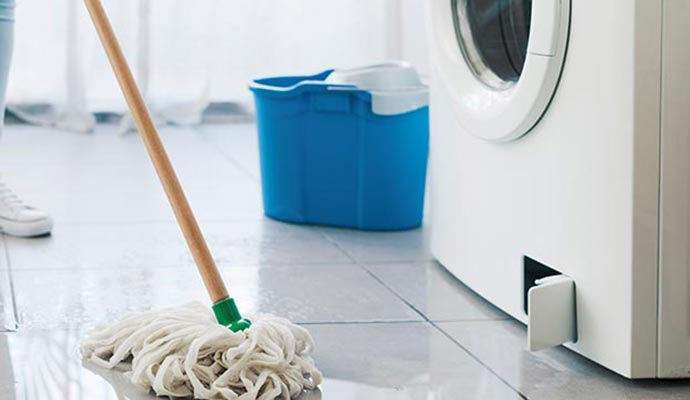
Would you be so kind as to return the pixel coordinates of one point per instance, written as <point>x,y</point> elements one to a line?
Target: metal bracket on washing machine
<point>551,313</point>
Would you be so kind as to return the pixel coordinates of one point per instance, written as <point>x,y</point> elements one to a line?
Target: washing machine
<point>560,171</point>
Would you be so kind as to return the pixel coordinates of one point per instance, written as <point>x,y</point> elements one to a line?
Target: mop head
<point>183,352</point>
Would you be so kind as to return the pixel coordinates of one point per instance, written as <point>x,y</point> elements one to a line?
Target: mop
<point>189,351</point>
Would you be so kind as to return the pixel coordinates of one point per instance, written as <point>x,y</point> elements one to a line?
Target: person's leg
<point>6,44</point>
<point>16,218</point>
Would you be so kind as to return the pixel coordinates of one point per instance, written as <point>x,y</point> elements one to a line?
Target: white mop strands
<point>184,352</point>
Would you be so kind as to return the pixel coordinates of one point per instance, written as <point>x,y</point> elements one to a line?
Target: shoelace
<point>10,199</point>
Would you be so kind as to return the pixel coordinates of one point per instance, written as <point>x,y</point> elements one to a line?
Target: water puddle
<point>114,382</point>
<point>8,322</point>
<point>47,365</point>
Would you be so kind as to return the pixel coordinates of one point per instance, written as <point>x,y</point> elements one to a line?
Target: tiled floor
<point>389,323</point>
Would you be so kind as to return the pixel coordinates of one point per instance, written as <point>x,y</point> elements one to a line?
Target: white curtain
<point>187,53</point>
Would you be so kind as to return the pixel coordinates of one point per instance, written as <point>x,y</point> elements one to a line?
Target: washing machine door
<point>500,61</point>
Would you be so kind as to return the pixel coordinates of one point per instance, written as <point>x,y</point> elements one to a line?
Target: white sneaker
<point>19,219</point>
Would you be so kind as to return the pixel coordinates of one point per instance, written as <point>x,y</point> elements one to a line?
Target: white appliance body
<point>594,182</point>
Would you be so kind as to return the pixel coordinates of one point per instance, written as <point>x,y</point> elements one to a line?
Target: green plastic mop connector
<point>228,315</point>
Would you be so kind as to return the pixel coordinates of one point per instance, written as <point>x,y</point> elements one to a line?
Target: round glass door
<point>493,36</point>
<point>498,62</point>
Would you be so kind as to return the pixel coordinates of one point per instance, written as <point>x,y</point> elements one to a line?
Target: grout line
<point>229,158</point>
<point>158,221</point>
<point>455,281</point>
<point>451,320</point>
<point>372,322</point>
<point>479,360</point>
<point>258,218</point>
<point>335,242</point>
<point>660,196</point>
<point>221,265</point>
<point>400,262</point>
<point>370,273</point>
<point>300,323</point>
<point>337,245</point>
<point>393,291</point>
<point>433,324</point>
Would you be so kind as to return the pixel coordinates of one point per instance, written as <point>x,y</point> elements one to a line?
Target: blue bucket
<point>337,154</point>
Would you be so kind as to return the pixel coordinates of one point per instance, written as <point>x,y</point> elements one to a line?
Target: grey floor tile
<point>412,357</point>
<point>554,374</point>
<point>162,245</point>
<point>431,289</point>
<point>105,146</point>
<point>272,242</point>
<point>399,246</point>
<point>69,299</point>
<point>105,177</point>
<point>75,193</point>
<point>359,362</point>
<point>239,142</point>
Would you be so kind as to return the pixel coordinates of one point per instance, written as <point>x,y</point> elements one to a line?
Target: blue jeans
<point>6,40</point>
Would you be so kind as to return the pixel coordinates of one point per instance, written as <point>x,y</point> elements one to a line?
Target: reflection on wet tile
<point>154,245</point>
<point>271,242</point>
<point>102,246</point>
<point>555,373</point>
<point>7,318</point>
<point>3,254</point>
<point>10,391</point>
<point>47,365</point>
<point>359,362</point>
<point>51,299</point>
<point>399,246</point>
<point>413,357</point>
<point>432,290</point>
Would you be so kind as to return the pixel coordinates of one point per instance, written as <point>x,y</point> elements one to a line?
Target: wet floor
<point>389,323</point>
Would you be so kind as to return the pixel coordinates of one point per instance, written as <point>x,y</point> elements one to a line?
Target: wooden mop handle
<point>154,146</point>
